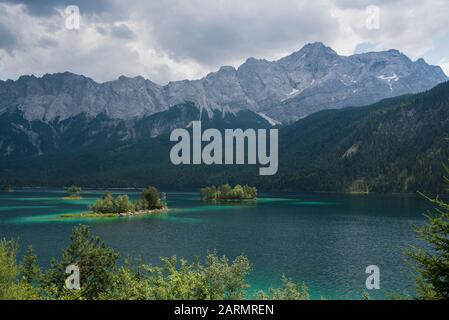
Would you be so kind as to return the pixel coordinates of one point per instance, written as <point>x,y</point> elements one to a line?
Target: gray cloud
<point>117,31</point>
<point>360,4</point>
<point>212,32</point>
<point>121,31</point>
<point>7,39</point>
<point>48,7</point>
<point>47,42</point>
<point>176,39</point>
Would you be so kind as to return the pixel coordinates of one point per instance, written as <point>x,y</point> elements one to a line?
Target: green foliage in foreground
<point>96,262</point>
<point>150,199</point>
<point>432,263</point>
<point>288,291</point>
<point>12,285</point>
<point>226,192</point>
<point>215,278</point>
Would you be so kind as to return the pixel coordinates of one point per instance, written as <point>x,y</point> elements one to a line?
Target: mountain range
<point>39,114</point>
<point>309,80</point>
<point>396,145</point>
<point>66,128</point>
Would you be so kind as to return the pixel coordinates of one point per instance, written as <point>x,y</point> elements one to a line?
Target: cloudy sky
<point>178,39</point>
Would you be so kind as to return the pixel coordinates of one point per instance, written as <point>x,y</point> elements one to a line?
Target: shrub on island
<point>226,192</point>
<point>109,204</point>
<point>74,193</point>
<point>150,199</point>
<point>7,188</point>
<point>153,199</point>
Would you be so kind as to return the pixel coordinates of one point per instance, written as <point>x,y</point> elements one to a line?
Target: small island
<point>228,193</point>
<point>74,193</point>
<point>151,202</point>
<point>7,188</point>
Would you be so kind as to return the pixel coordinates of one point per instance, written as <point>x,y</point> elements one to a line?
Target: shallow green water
<point>324,240</point>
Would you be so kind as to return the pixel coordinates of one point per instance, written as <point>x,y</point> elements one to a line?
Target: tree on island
<point>150,199</point>
<point>432,263</point>
<point>7,188</point>
<point>109,204</point>
<point>226,192</point>
<point>74,192</point>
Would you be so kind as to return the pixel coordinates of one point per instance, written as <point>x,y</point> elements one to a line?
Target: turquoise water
<point>324,240</point>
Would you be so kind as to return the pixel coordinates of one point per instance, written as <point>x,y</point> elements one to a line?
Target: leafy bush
<point>226,192</point>
<point>214,279</point>
<point>288,291</point>
<point>109,204</point>
<point>152,197</point>
<point>74,191</point>
<point>12,287</point>
<point>7,188</point>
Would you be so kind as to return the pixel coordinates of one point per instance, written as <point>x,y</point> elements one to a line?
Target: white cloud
<point>445,67</point>
<point>44,45</point>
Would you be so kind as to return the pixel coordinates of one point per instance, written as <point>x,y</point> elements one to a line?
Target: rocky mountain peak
<point>317,47</point>
<point>310,79</point>
<point>312,51</point>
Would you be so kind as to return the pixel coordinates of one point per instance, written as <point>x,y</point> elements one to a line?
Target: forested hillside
<point>396,145</point>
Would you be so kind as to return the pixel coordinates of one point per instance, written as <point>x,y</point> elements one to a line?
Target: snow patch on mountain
<point>390,79</point>
<point>270,120</point>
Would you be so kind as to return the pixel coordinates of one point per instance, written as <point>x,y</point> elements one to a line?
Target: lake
<point>324,240</point>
